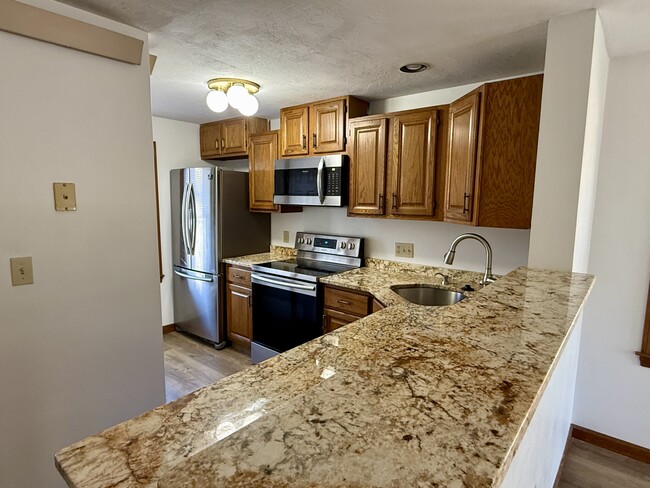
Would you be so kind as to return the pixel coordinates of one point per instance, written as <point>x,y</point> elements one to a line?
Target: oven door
<point>286,313</point>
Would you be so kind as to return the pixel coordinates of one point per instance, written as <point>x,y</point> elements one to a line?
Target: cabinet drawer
<point>239,275</point>
<point>333,319</point>
<point>347,301</point>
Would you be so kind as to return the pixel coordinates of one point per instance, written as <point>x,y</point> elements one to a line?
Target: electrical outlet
<point>285,236</point>
<point>404,249</point>
<point>21,271</point>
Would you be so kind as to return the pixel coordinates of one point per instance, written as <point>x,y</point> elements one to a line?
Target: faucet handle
<point>445,278</point>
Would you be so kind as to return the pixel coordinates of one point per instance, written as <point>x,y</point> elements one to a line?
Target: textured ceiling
<point>300,51</point>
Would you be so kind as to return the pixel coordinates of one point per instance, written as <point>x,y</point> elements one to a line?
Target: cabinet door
<point>238,310</point>
<point>294,127</point>
<point>333,319</point>
<point>262,153</point>
<point>368,167</point>
<point>234,138</point>
<point>461,159</point>
<point>210,135</point>
<point>412,165</point>
<point>327,123</point>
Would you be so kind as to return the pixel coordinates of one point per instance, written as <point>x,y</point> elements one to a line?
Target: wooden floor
<point>588,466</point>
<point>191,364</point>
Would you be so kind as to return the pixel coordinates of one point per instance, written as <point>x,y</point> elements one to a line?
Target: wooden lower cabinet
<point>239,312</point>
<point>343,306</point>
<point>333,319</point>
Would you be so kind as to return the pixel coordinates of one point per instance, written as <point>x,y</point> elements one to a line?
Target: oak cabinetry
<point>262,152</point>
<point>411,170</point>
<point>343,306</point>
<point>401,179</point>
<point>491,155</point>
<point>318,127</point>
<point>368,153</point>
<point>229,138</point>
<point>239,316</point>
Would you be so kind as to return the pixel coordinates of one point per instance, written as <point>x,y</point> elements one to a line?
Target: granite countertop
<point>409,396</point>
<point>277,253</point>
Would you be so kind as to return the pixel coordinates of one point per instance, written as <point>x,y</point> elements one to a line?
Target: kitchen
<point>87,269</point>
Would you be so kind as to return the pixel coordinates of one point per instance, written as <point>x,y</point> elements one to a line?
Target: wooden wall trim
<point>611,443</point>
<point>168,328</point>
<point>644,353</point>
<point>43,25</point>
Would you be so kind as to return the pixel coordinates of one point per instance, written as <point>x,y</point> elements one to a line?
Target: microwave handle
<point>319,180</point>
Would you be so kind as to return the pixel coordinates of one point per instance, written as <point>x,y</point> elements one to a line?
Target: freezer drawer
<point>197,303</point>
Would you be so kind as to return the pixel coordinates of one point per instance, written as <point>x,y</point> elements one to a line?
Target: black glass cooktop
<point>303,269</point>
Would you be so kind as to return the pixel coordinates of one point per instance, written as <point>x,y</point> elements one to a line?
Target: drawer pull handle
<point>239,277</point>
<point>344,302</point>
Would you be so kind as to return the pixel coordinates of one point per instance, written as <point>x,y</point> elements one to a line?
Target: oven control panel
<point>338,245</point>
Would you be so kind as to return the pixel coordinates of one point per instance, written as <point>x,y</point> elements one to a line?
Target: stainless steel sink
<point>427,295</point>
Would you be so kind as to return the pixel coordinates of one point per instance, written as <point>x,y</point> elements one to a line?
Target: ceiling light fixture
<point>235,92</point>
<point>413,68</point>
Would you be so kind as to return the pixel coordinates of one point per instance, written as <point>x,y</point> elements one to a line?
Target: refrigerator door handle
<point>207,279</point>
<point>184,203</point>
<point>192,209</point>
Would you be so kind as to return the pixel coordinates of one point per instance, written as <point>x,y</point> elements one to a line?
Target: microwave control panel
<point>333,185</point>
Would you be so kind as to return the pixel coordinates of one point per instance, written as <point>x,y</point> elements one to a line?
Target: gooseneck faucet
<point>451,253</point>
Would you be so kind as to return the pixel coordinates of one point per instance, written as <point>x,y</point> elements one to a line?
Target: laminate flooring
<point>191,364</point>
<point>588,466</point>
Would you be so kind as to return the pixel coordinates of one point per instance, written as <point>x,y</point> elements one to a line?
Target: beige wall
<point>81,348</point>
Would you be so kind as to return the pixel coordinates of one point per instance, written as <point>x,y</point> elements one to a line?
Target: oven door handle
<point>283,283</point>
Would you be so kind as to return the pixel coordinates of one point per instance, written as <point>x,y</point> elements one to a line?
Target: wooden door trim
<point>644,353</point>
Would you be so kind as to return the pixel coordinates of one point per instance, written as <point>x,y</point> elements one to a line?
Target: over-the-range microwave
<point>320,181</point>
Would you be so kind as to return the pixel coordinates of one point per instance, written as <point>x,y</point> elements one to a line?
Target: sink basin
<point>427,295</point>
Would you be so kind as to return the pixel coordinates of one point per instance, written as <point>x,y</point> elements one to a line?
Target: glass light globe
<point>249,106</point>
<point>236,95</point>
<point>217,101</point>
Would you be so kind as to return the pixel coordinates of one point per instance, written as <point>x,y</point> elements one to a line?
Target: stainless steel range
<point>287,296</point>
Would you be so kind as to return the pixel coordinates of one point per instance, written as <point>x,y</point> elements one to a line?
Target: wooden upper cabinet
<point>233,136</point>
<point>262,153</point>
<point>294,131</point>
<point>493,159</point>
<point>411,170</point>
<point>229,138</point>
<point>210,136</point>
<point>318,127</point>
<point>461,158</point>
<point>327,125</point>
<point>368,166</point>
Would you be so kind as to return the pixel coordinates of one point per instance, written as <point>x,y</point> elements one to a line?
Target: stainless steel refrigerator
<point>210,221</point>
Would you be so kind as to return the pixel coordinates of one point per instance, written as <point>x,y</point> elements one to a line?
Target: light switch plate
<point>285,236</point>
<point>65,197</point>
<point>22,272</point>
<point>404,249</point>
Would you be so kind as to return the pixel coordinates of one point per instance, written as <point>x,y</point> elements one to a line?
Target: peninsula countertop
<point>409,396</point>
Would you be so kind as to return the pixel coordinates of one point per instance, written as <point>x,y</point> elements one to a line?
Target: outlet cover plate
<point>404,249</point>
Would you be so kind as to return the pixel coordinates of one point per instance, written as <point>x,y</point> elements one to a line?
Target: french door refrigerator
<point>210,222</point>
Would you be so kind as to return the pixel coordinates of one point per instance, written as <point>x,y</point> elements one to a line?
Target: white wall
<point>177,146</point>
<point>613,391</point>
<point>431,239</point>
<point>81,348</point>
<point>591,149</point>
<point>539,455</point>
<point>567,75</point>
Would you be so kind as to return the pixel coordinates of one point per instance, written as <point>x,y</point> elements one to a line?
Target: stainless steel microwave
<point>319,181</point>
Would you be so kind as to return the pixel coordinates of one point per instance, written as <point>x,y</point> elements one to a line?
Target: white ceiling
<point>300,51</point>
